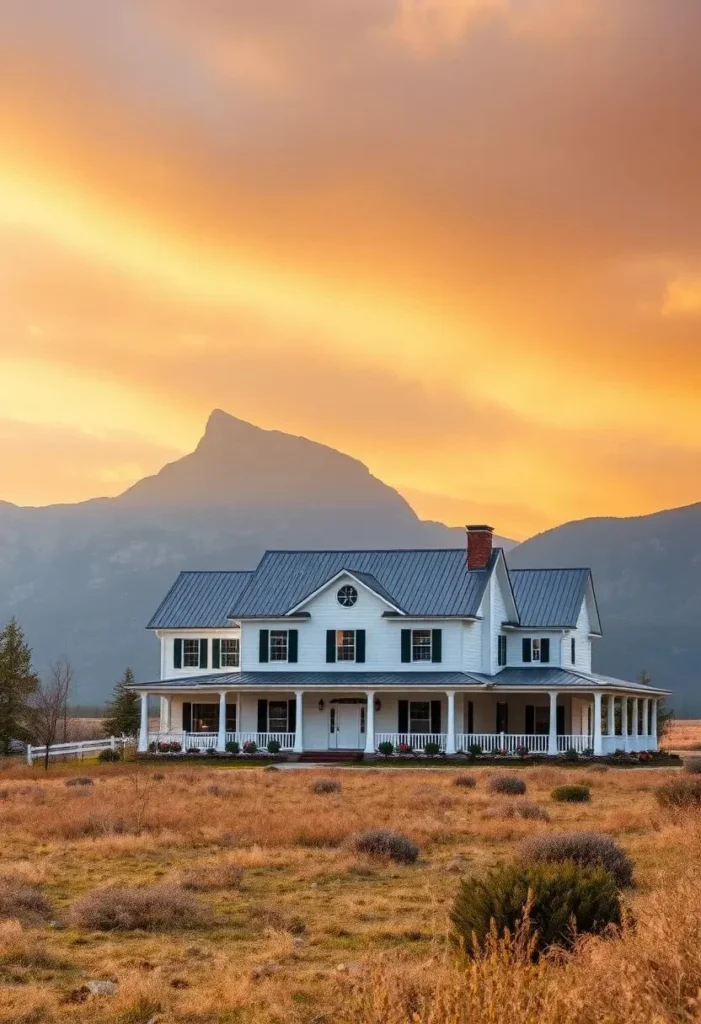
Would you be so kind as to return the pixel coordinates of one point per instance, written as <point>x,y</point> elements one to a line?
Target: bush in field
<point>107,756</point>
<point>79,780</point>
<point>681,793</point>
<point>232,747</point>
<point>250,747</point>
<point>693,767</point>
<point>386,748</point>
<point>591,849</point>
<point>431,748</point>
<point>150,908</point>
<point>21,899</point>
<point>468,781</point>
<point>531,811</point>
<point>552,898</point>
<point>326,786</point>
<point>383,842</point>
<point>273,746</point>
<point>507,785</point>
<point>209,877</point>
<point>572,794</point>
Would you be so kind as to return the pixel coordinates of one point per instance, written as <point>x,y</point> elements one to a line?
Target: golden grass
<point>684,734</point>
<point>303,929</point>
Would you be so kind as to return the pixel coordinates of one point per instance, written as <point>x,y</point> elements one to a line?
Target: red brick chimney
<point>479,546</point>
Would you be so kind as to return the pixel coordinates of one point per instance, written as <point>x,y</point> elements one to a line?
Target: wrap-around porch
<point>548,723</point>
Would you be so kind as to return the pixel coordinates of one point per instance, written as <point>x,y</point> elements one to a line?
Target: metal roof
<point>420,582</point>
<point>549,597</point>
<point>200,600</point>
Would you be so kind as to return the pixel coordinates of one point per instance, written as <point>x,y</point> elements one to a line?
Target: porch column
<point>299,742</point>
<point>221,735</point>
<point>635,716</point>
<point>238,712</point>
<point>624,722</point>
<point>450,738</point>
<point>552,727</point>
<point>646,719</point>
<point>169,713</point>
<point>655,705</point>
<point>370,723</point>
<point>143,728</point>
<point>611,719</point>
<point>598,747</point>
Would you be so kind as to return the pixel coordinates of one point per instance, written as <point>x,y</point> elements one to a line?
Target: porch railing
<point>511,742</point>
<point>208,740</point>
<point>575,741</point>
<point>416,740</point>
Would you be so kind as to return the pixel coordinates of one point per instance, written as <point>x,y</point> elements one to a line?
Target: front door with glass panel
<point>345,726</point>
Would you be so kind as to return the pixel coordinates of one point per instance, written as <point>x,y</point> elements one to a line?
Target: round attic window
<point>347,596</point>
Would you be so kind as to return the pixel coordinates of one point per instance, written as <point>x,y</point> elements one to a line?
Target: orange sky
<point>459,240</point>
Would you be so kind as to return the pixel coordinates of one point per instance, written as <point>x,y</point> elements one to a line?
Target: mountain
<point>84,579</point>
<point>647,575</point>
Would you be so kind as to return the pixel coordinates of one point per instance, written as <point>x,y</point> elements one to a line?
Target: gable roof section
<point>549,597</point>
<point>365,579</point>
<point>200,600</point>
<point>423,583</point>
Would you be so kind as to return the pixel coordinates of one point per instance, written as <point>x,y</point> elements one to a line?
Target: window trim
<point>340,634</point>
<point>287,716</point>
<point>279,633</point>
<point>418,732</point>
<point>193,641</point>
<point>501,650</point>
<point>414,645</point>
<point>237,652</point>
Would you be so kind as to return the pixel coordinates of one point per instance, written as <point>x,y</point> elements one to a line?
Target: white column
<point>655,704</point>
<point>299,738</point>
<point>238,712</point>
<point>598,748</point>
<point>221,735</point>
<point>168,712</point>
<point>552,727</point>
<point>450,739</point>
<point>624,722</point>
<point>635,730</point>
<point>611,719</point>
<point>646,720</point>
<point>370,723</point>
<point>143,729</point>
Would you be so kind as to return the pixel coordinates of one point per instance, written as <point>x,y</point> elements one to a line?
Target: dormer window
<point>536,650</point>
<point>347,596</point>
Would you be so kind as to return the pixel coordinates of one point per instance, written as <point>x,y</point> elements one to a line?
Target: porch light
<point>378,705</point>
<point>321,704</point>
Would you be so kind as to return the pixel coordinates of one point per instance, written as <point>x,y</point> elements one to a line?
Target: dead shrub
<point>209,877</point>
<point>507,785</point>
<point>322,786</point>
<point>679,794</point>
<point>279,920</point>
<point>467,781</point>
<point>149,908</point>
<point>383,842</point>
<point>590,849</point>
<point>21,899</point>
<point>79,780</point>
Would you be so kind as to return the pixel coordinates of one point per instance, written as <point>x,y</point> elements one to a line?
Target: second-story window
<point>278,645</point>
<point>191,653</point>
<point>345,645</point>
<point>230,653</point>
<point>536,649</point>
<point>501,650</point>
<point>421,645</point>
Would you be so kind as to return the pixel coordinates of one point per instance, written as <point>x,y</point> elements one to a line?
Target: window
<point>277,715</point>
<point>345,645</point>
<point>574,650</point>
<point>419,716</point>
<point>501,649</point>
<point>347,596</point>
<point>205,717</point>
<point>191,653</point>
<point>502,722</point>
<point>536,650</point>
<point>421,645</point>
<point>278,645</point>
<point>229,653</point>
<point>362,719</point>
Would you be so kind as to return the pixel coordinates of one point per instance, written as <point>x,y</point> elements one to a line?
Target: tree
<point>123,714</point>
<point>18,683</point>
<point>49,706</point>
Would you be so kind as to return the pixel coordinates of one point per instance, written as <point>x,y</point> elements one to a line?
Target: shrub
<point>109,755</point>
<point>572,754</point>
<point>679,793</point>
<point>693,766</point>
<point>79,780</point>
<point>508,785</point>
<point>522,750</point>
<point>250,747</point>
<point>431,748</point>
<point>208,877</point>
<point>386,748</point>
<point>151,908</point>
<point>383,842</point>
<point>326,786</point>
<point>232,747</point>
<point>549,898</point>
<point>273,746</point>
<point>468,781</point>
<point>210,751</point>
<point>192,750</point>
<point>475,750</point>
<point>574,793</point>
<point>588,849</point>
<point>405,748</point>
<point>21,899</point>
<point>531,811</point>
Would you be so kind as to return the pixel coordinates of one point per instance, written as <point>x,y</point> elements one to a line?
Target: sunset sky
<point>458,239</point>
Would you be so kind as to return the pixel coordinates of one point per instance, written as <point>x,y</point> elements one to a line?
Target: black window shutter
<point>470,716</point>
<point>292,644</point>
<point>263,641</point>
<point>406,645</point>
<point>330,645</point>
<point>526,648</point>
<point>291,715</point>
<point>360,645</point>
<point>216,658</point>
<point>435,716</point>
<point>403,716</point>
<point>187,716</point>
<point>560,720</point>
<point>574,650</point>
<point>262,715</point>
<point>530,719</point>
<point>436,645</point>
<point>231,718</point>
<point>545,650</point>
<point>204,644</point>
<point>178,654</point>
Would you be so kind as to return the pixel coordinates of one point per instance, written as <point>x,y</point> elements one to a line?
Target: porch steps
<point>332,756</point>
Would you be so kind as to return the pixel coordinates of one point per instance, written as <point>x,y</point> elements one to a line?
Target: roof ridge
<point>554,568</point>
<point>358,551</point>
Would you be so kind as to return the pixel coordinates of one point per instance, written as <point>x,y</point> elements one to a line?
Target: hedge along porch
<point>346,718</point>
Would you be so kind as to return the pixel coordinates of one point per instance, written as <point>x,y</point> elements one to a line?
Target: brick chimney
<point>479,546</point>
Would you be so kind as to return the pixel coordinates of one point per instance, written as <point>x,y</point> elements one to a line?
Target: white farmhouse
<point>343,650</point>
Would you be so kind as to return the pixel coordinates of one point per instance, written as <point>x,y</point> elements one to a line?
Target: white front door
<point>344,726</point>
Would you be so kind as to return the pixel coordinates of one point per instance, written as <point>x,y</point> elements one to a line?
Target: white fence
<point>415,740</point>
<point>208,740</point>
<point>80,748</point>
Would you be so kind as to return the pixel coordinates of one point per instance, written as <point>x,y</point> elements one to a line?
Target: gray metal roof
<point>549,597</point>
<point>420,582</point>
<point>200,600</point>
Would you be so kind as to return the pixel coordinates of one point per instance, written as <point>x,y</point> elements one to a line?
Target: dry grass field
<point>684,734</point>
<point>263,913</point>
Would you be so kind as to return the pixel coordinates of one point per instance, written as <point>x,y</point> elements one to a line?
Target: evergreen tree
<point>18,684</point>
<point>123,714</point>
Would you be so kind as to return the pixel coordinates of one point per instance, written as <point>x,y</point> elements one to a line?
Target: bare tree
<point>50,706</point>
